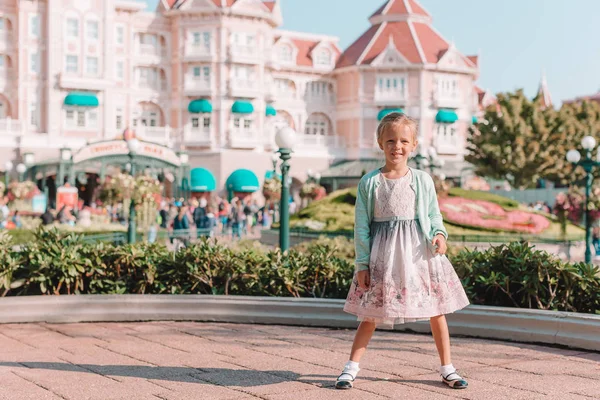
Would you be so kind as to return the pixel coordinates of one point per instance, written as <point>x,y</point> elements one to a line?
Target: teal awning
<point>202,180</point>
<point>81,99</point>
<point>387,111</point>
<point>270,111</point>
<point>242,107</point>
<point>446,116</point>
<point>242,180</point>
<point>474,120</point>
<point>200,106</point>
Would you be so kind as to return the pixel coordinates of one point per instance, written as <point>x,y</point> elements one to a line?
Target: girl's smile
<point>397,143</point>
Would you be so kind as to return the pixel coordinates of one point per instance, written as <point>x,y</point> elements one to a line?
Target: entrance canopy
<point>242,181</point>
<point>117,150</point>
<point>202,180</point>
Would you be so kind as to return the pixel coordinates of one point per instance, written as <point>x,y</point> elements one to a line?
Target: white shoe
<point>455,381</point>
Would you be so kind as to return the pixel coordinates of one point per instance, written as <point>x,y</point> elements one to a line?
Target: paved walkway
<point>227,361</point>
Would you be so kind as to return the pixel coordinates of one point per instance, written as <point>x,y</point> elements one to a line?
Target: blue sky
<point>516,39</point>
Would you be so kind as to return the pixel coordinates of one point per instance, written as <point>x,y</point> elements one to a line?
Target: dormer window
<point>323,57</point>
<point>286,54</point>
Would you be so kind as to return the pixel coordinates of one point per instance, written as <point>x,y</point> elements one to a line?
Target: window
<point>240,39</point>
<point>317,124</point>
<point>34,62</point>
<point>285,53</point>
<point>323,57</point>
<point>81,119</point>
<point>206,122</point>
<point>447,87</point>
<point>91,66</point>
<point>2,26</point>
<point>92,119</point>
<point>70,115</point>
<point>2,111</point>
<point>206,38</point>
<point>119,118</point>
<point>120,70</point>
<point>148,39</point>
<point>319,90</point>
<point>71,66</point>
<point>391,85</point>
<point>92,30</point>
<point>242,124</point>
<point>149,118</point>
<point>243,73</point>
<point>2,62</point>
<point>33,114</point>
<point>148,77</point>
<point>72,27</point>
<point>34,26</point>
<point>201,73</point>
<point>120,35</point>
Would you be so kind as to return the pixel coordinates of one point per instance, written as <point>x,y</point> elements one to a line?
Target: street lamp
<point>274,159</point>
<point>184,159</point>
<point>285,139</point>
<point>133,145</point>
<point>21,168</point>
<point>428,157</point>
<point>8,166</point>
<point>588,143</point>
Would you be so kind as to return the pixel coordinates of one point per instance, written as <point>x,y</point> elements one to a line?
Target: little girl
<point>402,274</point>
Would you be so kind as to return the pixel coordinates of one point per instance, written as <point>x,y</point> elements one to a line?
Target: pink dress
<point>409,281</point>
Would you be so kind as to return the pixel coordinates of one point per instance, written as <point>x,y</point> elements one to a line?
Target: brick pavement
<point>185,360</point>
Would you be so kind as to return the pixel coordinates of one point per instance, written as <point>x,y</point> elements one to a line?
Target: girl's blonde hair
<point>397,119</point>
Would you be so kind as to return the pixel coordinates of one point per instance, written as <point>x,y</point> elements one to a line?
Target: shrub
<point>518,275</point>
<point>513,275</point>
<point>504,202</point>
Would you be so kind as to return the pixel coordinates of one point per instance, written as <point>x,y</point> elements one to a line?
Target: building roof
<point>222,3</point>
<point>306,43</point>
<point>408,26</point>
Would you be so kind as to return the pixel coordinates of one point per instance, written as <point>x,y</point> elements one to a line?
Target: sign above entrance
<point>119,148</point>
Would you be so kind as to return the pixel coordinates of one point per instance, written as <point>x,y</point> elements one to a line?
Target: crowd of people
<point>237,218</point>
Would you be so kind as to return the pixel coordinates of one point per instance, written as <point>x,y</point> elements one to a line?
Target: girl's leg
<point>359,346</point>
<point>363,336</point>
<point>439,329</point>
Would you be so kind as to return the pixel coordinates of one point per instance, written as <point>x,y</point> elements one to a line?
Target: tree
<point>518,140</point>
<point>574,121</point>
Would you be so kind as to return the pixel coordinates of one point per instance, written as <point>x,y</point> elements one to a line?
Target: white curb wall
<point>522,325</point>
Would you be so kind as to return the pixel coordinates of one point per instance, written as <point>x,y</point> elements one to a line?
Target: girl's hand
<point>364,279</point>
<point>439,241</point>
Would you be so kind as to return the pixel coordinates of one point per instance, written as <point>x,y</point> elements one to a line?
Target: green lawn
<point>336,213</point>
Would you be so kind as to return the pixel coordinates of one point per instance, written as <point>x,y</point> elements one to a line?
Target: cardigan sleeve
<point>435,216</point>
<point>362,230</point>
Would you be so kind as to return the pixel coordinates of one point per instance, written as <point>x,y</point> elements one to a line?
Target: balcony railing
<point>155,86</point>
<point>244,87</point>
<point>451,100</point>
<point>199,136</point>
<point>243,138</point>
<point>10,126</point>
<point>197,86</point>
<point>390,96</point>
<point>244,53</point>
<point>198,50</point>
<point>155,134</point>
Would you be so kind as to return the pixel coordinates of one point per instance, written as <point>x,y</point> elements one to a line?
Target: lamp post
<point>285,139</point>
<point>184,158</point>
<point>428,157</point>
<point>133,145</point>
<point>21,168</point>
<point>8,166</point>
<point>588,143</point>
<point>274,159</point>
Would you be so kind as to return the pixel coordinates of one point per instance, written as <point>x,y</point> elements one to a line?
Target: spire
<point>399,9</point>
<point>544,93</point>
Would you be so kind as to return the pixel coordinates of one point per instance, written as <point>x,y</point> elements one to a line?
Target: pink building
<point>217,78</point>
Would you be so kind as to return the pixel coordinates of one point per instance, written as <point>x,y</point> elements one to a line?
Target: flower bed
<point>489,216</point>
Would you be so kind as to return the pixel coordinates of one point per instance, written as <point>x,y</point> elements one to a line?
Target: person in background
<point>181,225</point>
<point>224,212</point>
<point>211,220</point>
<point>47,217</point>
<point>16,220</point>
<point>4,212</point>
<point>200,216</point>
<point>237,217</point>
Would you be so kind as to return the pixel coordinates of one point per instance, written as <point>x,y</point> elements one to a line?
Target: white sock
<point>445,370</point>
<point>349,372</point>
<point>352,365</point>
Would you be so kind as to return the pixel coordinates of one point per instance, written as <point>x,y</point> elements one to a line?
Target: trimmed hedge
<point>513,275</point>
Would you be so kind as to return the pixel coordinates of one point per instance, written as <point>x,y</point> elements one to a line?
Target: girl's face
<point>397,142</point>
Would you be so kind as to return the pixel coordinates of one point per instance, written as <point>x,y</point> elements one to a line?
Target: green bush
<point>518,275</point>
<point>512,275</point>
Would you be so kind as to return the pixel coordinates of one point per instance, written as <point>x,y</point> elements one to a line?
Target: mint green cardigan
<point>428,212</point>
